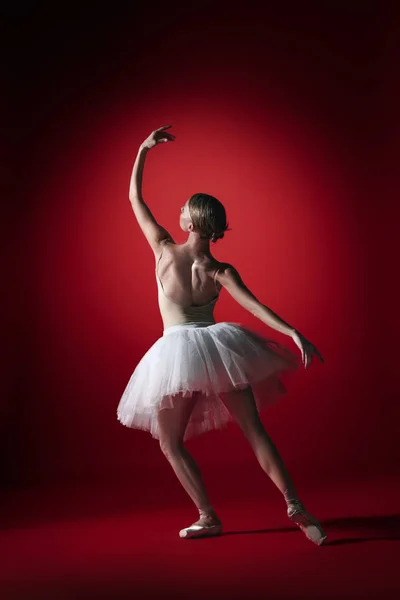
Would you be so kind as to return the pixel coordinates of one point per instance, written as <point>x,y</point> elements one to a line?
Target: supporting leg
<point>188,473</point>
<point>172,424</point>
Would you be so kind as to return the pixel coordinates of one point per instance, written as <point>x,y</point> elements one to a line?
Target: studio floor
<point>99,541</point>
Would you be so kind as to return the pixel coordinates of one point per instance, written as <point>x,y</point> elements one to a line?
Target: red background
<point>290,118</point>
<point>291,128</point>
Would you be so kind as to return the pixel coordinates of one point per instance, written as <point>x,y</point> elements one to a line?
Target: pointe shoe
<point>307,523</point>
<point>204,527</point>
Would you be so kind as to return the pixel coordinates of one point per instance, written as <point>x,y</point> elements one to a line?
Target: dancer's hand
<point>307,349</point>
<point>158,136</point>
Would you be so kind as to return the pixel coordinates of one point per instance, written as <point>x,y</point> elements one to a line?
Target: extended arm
<point>269,317</point>
<point>231,280</point>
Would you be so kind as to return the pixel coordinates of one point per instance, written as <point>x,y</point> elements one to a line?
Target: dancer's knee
<point>170,446</point>
<point>172,422</point>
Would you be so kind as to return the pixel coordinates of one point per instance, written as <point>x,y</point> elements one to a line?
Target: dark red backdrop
<point>289,120</point>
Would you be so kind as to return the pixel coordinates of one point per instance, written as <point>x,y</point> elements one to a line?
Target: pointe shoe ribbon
<point>307,523</point>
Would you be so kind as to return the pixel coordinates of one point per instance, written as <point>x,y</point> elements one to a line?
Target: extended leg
<point>241,405</point>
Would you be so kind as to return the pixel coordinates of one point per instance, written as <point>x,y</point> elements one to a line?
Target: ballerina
<point>201,374</point>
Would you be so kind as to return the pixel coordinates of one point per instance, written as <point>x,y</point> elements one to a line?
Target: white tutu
<point>213,359</point>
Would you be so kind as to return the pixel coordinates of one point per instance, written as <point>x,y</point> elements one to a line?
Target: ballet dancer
<point>201,373</point>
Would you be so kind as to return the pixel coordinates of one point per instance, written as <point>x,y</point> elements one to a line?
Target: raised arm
<point>233,283</point>
<point>154,233</point>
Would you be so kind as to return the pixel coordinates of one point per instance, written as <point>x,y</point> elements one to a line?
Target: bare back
<point>189,287</point>
<point>186,279</point>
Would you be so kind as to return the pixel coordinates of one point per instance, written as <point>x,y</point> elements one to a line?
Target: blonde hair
<point>208,216</point>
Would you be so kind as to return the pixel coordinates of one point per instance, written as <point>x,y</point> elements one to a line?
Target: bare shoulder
<point>167,243</point>
<point>226,272</point>
<point>228,277</point>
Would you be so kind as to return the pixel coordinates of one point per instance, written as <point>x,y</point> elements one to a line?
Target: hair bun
<point>217,235</point>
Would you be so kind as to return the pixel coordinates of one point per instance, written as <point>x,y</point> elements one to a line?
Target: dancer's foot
<point>307,523</point>
<point>207,525</point>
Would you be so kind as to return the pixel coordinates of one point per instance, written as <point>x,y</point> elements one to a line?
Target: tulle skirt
<point>212,359</point>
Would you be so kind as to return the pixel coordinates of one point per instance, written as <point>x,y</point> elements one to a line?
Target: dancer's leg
<point>172,423</point>
<point>241,405</point>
